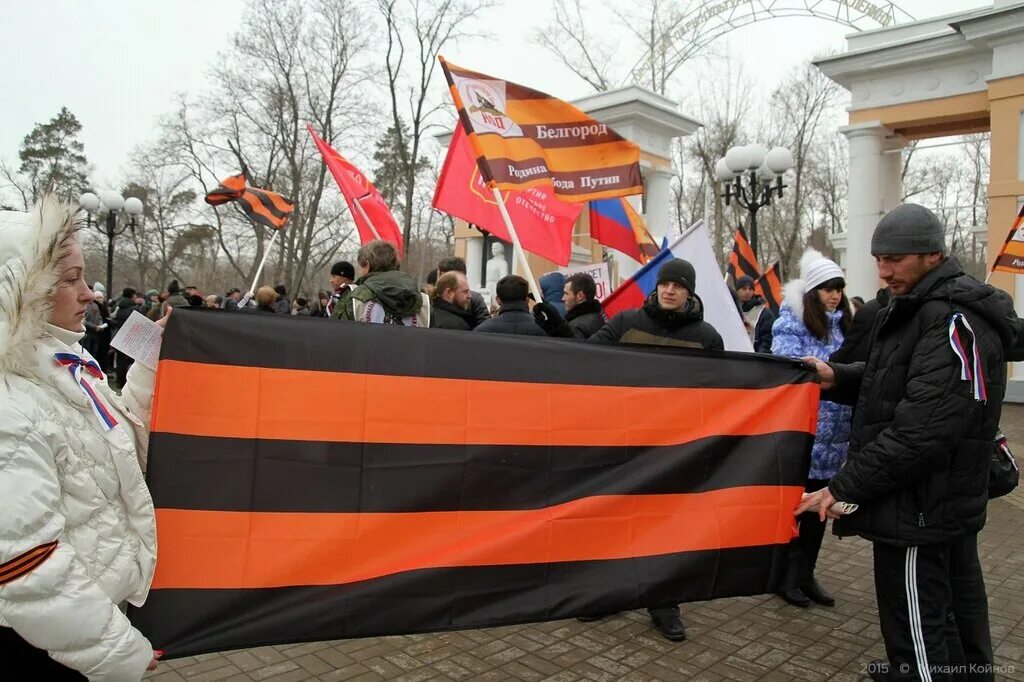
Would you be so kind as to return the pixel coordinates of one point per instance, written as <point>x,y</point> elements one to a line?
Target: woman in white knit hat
<point>813,320</point>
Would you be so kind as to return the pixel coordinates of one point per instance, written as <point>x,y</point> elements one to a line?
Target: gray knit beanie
<point>908,228</point>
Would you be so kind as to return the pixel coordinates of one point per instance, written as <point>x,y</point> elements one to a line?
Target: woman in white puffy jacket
<point>77,530</point>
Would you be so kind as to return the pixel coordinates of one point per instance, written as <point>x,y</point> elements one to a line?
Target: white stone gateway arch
<point>654,121</point>
<point>706,22</point>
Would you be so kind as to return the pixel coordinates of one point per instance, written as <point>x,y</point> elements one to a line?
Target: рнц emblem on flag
<point>485,102</point>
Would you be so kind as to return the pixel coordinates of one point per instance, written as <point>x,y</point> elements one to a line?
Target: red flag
<point>369,210</point>
<point>544,223</point>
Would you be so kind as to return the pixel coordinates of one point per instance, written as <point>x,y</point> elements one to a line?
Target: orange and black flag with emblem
<point>526,138</point>
<point>1011,256</point>
<point>451,492</point>
<point>262,206</point>
<point>742,259</point>
<point>769,287</point>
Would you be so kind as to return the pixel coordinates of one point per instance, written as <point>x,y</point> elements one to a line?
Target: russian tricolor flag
<point>720,309</point>
<point>614,223</point>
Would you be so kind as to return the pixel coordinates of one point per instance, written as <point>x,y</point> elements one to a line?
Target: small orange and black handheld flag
<point>769,286</point>
<point>262,206</point>
<point>743,260</point>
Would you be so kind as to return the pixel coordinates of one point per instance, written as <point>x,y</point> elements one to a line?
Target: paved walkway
<point>750,638</point>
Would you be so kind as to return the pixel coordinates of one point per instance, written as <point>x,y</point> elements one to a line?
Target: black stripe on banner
<point>189,622</point>
<point>227,474</point>
<point>251,213</point>
<point>316,344</point>
<point>268,204</point>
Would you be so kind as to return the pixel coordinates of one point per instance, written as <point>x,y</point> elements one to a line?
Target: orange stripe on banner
<point>564,159</point>
<point>549,111</point>
<point>389,409</point>
<point>224,550</point>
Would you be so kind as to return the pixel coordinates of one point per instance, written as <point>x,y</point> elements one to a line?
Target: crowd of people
<point>901,454</point>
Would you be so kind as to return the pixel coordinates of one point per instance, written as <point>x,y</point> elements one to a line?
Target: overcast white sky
<point>117,63</point>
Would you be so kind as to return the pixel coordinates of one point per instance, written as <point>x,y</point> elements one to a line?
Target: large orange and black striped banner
<point>316,479</point>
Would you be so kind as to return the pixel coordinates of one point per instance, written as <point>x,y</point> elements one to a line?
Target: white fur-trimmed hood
<point>31,245</point>
<point>793,296</point>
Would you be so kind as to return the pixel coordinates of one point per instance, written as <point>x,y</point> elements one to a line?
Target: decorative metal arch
<point>709,20</point>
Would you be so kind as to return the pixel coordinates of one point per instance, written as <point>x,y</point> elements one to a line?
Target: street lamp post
<point>748,173</point>
<point>113,203</point>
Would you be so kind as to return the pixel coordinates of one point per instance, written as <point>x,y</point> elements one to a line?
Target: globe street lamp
<point>112,203</point>
<point>748,173</point>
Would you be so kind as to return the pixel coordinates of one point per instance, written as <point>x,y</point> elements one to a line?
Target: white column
<point>892,170</point>
<point>474,262</point>
<point>658,188</point>
<point>869,186</point>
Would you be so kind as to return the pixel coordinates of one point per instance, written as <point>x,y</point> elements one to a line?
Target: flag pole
<point>366,218</point>
<point>259,271</point>
<point>516,246</point>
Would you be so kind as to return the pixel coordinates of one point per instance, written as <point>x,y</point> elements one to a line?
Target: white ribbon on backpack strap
<point>970,363</point>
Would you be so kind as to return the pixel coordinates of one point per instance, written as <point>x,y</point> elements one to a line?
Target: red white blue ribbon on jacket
<point>970,363</point>
<point>75,366</point>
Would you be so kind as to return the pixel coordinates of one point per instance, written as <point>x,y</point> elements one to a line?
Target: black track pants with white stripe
<point>914,599</point>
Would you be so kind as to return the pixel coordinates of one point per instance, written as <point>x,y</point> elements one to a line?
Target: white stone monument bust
<point>496,267</point>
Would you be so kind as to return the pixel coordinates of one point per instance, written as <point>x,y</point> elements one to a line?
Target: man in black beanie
<point>673,315</point>
<point>343,274</point>
<point>927,407</point>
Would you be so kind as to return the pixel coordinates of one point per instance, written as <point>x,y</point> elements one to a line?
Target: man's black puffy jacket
<point>650,324</point>
<point>920,445</point>
<point>513,318</point>
<point>585,319</point>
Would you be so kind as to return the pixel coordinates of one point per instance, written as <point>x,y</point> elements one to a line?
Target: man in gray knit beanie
<point>907,230</point>
<point>927,407</point>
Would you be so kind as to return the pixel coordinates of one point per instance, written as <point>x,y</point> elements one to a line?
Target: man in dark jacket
<point>927,406</point>
<point>672,315</point>
<point>476,301</point>
<point>514,315</point>
<point>583,312</point>
<point>451,303</point>
<point>282,306</point>
<point>129,302</point>
<point>757,316</point>
<point>343,276</point>
<point>175,298</point>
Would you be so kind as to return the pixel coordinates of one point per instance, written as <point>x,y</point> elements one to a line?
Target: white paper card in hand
<point>139,338</point>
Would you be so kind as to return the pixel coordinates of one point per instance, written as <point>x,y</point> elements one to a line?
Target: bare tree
<point>417,31</point>
<point>292,62</point>
<point>801,109</point>
<point>724,105</point>
<point>569,39</point>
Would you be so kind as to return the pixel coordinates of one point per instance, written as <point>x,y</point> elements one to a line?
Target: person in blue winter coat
<point>813,321</point>
<point>552,287</point>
